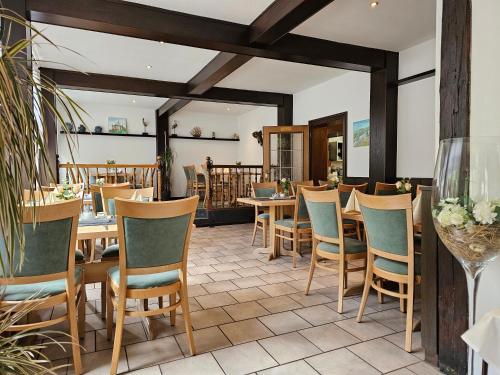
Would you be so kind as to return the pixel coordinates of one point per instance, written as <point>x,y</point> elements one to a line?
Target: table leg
<point>273,250</point>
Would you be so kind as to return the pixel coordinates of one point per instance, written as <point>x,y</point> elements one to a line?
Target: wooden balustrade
<point>138,175</point>
<point>227,182</point>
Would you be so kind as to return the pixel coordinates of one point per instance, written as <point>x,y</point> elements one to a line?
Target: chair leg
<point>346,275</point>
<point>340,303</point>
<point>294,249</point>
<point>264,232</point>
<point>254,231</point>
<point>358,230</point>
<point>311,271</point>
<point>366,289</point>
<point>160,302</point>
<point>401,300</point>
<point>109,310</point>
<point>187,317</point>
<point>103,300</point>
<point>172,312</point>
<point>81,312</point>
<point>145,304</point>
<point>120,320</point>
<point>73,327</point>
<point>380,296</point>
<point>409,317</point>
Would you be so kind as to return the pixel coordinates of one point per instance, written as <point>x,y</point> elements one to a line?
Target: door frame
<point>319,122</point>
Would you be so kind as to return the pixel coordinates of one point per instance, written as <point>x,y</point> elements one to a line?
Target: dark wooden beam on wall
<point>127,19</point>
<point>281,17</point>
<point>454,122</point>
<point>383,121</point>
<point>285,111</point>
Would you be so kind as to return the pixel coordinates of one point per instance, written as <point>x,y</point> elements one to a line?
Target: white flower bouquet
<point>403,186</point>
<point>285,185</point>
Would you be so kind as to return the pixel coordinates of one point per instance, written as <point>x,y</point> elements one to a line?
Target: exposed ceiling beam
<point>139,86</point>
<point>145,22</point>
<point>281,17</point>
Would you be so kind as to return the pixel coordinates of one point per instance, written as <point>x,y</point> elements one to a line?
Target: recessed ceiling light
<point>148,67</point>
<point>133,101</point>
<point>161,42</point>
<point>228,109</point>
<point>374,4</point>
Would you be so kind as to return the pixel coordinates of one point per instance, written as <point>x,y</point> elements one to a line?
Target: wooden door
<point>319,153</point>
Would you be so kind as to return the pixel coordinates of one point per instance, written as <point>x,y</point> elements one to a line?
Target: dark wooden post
<point>285,111</point>
<point>210,190</point>
<point>162,143</point>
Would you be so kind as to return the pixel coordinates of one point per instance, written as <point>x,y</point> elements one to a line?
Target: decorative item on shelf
<point>196,132</point>
<point>258,136</point>
<point>98,129</point>
<point>82,128</point>
<point>236,136</point>
<point>403,186</point>
<point>466,207</point>
<point>210,163</point>
<point>213,135</point>
<point>110,161</point>
<point>285,186</point>
<point>117,125</point>
<point>145,124</point>
<point>174,126</point>
<point>69,127</point>
<point>238,166</point>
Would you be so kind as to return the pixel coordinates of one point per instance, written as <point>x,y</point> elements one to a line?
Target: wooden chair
<point>389,227</point>
<point>294,185</point>
<point>39,196</point>
<point>193,185</point>
<point>95,192</point>
<point>147,268</point>
<point>351,228</point>
<point>381,188</point>
<point>108,195</point>
<point>262,190</point>
<point>49,277</point>
<point>325,211</point>
<point>298,226</point>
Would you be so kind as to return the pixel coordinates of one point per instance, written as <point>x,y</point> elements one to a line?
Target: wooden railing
<point>138,175</point>
<point>227,182</point>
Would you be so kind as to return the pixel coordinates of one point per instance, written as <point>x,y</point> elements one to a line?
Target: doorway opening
<point>328,148</point>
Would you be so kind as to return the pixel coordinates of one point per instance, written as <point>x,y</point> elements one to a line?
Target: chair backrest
<point>418,189</point>
<point>345,191</point>
<point>326,215</point>
<point>37,195</point>
<point>154,237</point>
<point>389,225</point>
<point>381,188</point>
<point>300,211</point>
<point>108,195</point>
<point>95,193</point>
<point>190,172</point>
<point>264,189</point>
<point>49,252</point>
<point>294,185</point>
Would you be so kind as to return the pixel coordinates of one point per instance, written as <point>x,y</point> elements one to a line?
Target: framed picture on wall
<point>117,125</point>
<point>361,133</point>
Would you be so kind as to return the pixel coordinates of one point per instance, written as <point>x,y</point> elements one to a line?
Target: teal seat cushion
<point>79,257</point>
<point>111,251</point>
<point>352,246</point>
<point>290,223</point>
<point>396,267</point>
<point>21,292</point>
<point>264,215</point>
<point>145,281</point>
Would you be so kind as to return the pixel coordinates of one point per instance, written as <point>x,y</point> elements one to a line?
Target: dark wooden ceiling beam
<point>128,19</point>
<point>139,86</point>
<point>281,17</point>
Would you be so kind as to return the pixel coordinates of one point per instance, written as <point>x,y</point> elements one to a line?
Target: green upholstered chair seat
<point>145,281</point>
<point>396,267</point>
<point>22,292</point>
<point>264,215</point>
<point>290,223</point>
<point>111,251</point>
<point>352,246</point>
<point>79,257</point>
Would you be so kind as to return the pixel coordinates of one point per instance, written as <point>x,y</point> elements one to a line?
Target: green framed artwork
<point>117,125</point>
<point>361,133</point>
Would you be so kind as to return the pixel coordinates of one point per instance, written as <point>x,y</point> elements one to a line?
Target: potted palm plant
<point>24,164</point>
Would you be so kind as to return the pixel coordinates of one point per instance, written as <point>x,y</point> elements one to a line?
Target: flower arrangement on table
<point>333,181</point>
<point>100,181</point>
<point>471,226</point>
<point>403,186</point>
<point>285,186</point>
<point>66,192</point>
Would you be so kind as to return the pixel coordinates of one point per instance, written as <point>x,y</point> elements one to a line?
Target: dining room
<point>275,187</point>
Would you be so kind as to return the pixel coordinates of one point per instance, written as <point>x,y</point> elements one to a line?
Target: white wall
<point>98,149</point>
<point>484,120</point>
<point>349,92</point>
<point>416,113</point>
<point>249,150</point>
<point>188,152</point>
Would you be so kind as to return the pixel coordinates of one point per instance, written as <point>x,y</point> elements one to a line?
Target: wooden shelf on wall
<point>205,138</point>
<point>113,135</point>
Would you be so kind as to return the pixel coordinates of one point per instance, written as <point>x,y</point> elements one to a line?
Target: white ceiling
<point>239,11</point>
<point>218,108</point>
<point>278,76</point>
<point>393,25</point>
<point>94,52</point>
<point>93,97</point>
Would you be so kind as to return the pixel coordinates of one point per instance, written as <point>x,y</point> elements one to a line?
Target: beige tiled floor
<point>250,315</point>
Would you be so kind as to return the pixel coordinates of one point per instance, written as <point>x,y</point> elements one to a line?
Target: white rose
<point>398,185</point>
<point>283,180</point>
<point>484,212</point>
<point>444,218</point>
<point>456,219</point>
<point>408,186</point>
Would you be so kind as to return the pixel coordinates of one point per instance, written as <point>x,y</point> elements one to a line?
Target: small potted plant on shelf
<point>403,186</point>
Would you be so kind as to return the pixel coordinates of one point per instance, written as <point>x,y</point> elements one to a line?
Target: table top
<point>267,202</point>
<point>97,231</point>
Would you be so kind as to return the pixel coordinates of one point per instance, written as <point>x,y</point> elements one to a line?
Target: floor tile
<point>423,368</point>
<point>278,289</point>
<point>366,330</point>
<point>340,362</point>
<point>199,270</point>
<point>132,333</point>
<point>249,282</point>
<point>226,266</point>
<point>401,371</point>
<point>251,271</point>
<point>221,276</point>
<point>245,310</point>
<point>243,359</point>
<point>209,318</point>
<point>293,368</point>
<point>152,352</point>
<point>155,370</point>
<point>284,322</point>
<point>416,344</point>
<point>219,286</point>
<point>319,314</point>
<point>289,347</point>
<point>205,340</point>
<point>163,328</point>
<point>329,337</point>
<point>245,331</point>
<point>198,365</point>
<point>279,304</point>
<point>215,300</point>
<point>391,318</point>
<point>273,278</point>
<point>196,290</point>
<point>249,294</point>
<point>383,355</point>
<point>99,363</point>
